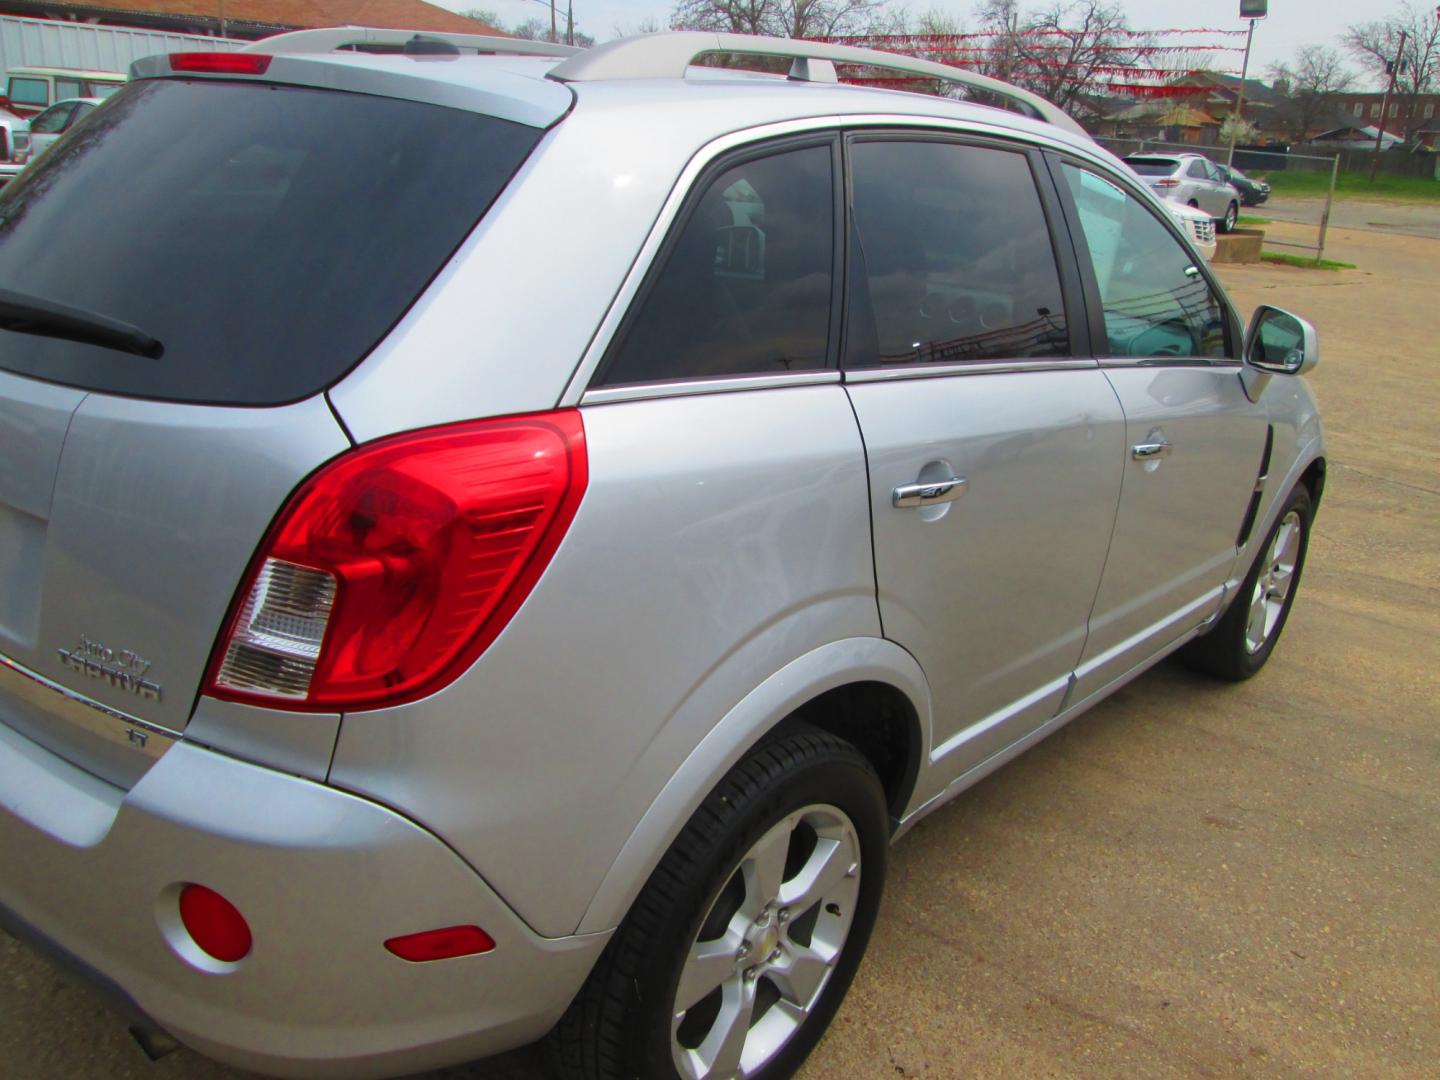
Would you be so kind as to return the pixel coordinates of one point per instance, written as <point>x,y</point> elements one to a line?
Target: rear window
<point>267,236</point>
<point>1152,166</point>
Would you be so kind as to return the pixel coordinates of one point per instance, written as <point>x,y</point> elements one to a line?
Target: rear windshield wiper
<point>45,318</point>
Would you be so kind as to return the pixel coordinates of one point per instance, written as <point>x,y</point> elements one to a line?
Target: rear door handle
<point>1151,451</point>
<point>932,494</point>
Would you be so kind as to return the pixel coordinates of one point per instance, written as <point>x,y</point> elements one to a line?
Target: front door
<point>1193,440</point>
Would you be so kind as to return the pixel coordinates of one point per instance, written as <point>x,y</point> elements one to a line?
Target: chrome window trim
<point>576,391</point>
<point>1175,361</point>
<point>998,367</point>
<point>85,713</point>
<point>723,385</point>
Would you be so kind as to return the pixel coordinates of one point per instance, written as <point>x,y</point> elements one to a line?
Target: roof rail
<point>330,38</point>
<point>667,55</point>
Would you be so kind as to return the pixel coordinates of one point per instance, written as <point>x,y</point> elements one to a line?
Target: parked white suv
<point>501,544</point>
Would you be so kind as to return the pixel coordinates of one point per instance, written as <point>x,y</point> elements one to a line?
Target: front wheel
<point>1232,215</point>
<point>740,947</point>
<point>1245,636</point>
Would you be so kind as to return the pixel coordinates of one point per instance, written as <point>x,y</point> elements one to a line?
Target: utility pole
<point>554,35</point>
<point>1385,105</point>
<point>1238,116</point>
<point>569,22</point>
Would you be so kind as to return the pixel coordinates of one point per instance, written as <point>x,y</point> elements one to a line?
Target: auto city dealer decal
<point>122,669</point>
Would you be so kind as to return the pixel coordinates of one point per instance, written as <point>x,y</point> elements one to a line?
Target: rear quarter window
<point>268,250</point>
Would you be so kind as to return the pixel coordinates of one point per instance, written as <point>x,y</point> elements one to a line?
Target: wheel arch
<point>834,688</point>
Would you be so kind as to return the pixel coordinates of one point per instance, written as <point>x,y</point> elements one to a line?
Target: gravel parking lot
<point>1191,880</point>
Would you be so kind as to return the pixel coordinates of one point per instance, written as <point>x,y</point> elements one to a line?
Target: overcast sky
<point>1292,23</point>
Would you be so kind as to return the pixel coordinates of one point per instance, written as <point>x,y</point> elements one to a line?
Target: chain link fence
<point>1303,183</point>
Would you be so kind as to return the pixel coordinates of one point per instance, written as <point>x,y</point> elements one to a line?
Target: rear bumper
<point>91,872</point>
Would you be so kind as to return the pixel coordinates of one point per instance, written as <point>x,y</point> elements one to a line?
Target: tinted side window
<point>67,88</point>
<point>30,91</point>
<point>745,287</point>
<point>957,262</point>
<point>1156,302</point>
<point>1198,171</point>
<point>52,119</point>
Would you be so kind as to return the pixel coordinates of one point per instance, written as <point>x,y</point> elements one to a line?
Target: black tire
<point>619,1027</point>
<point>1227,651</point>
<point>1232,215</point>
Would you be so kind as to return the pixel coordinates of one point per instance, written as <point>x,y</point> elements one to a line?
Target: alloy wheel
<point>767,947</point>
<point>1272,587</point>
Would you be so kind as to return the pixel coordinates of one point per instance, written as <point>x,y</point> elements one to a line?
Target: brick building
<point>1404,117</point>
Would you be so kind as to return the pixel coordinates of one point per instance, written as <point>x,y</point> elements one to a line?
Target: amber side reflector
<point>443,944</point>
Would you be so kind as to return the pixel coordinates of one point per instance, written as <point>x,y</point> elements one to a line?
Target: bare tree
<point>1375,45</point>
<point>1063,51</point>
<point>1074,44</point>
<point>782,18</point>
<point>1311,86</point>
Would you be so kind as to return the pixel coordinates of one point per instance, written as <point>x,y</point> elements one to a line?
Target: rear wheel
<point>736,954</point>
<point>1232,215</point>
<point>1245,636</point>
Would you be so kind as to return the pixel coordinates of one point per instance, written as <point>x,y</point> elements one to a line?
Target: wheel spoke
<point>765,868</point>
<point>710,963</point>
<point>799,979</point>
<point>828,865</point>
<point>722,1049</point>
<point>1255,625</point>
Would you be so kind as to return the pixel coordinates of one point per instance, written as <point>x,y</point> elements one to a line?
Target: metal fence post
<point>1329,202</point>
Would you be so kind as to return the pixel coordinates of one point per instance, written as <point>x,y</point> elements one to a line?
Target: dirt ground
<point>1192,880</point>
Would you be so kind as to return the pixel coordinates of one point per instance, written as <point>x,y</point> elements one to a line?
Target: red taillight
<point>394,566</point>
<point>441,944</point>
<point>1167,183</point>
<point>207,63</point>
<point>214,924</point>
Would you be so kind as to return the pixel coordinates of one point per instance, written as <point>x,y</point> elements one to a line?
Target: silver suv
<point>1191,180</point>
<point>501,544</point>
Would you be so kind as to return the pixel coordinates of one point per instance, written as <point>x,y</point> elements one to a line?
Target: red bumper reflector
<point>214,924</point>
<point>441,944</point>
<point>220,63</point>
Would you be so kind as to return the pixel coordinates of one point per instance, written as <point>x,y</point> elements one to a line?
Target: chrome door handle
<point>932,494</point>
<point>1151,451</point>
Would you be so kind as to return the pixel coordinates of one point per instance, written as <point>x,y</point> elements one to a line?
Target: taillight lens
<point>1167,183</point>
<point>394,566</point>
<point>220,63</point>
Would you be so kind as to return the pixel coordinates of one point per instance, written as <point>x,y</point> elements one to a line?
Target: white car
<point>1199,227</point>
<point>48,126</point>
<point>14,145</point>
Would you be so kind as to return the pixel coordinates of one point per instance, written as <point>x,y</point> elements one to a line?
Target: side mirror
<point>1281,343</point>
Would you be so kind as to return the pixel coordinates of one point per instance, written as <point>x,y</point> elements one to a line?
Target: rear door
<point>143,467</point>
<point>994,445</point>
<point>1193,439</point>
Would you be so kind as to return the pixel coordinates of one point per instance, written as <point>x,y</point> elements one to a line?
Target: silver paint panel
<point>294,742</point>
<point>158,510</point>
<point>34,417</point>
<point>722,537</point>
<point>1179,516</point>
<point>323,878</point>
<point>991,593</point>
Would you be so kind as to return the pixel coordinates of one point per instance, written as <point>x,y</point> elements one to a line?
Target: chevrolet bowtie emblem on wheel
<point>121,668</point>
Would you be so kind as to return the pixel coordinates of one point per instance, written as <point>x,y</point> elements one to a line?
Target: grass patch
<point>1304,262</point>
<point>1246,219</point>
<point>1352,185</point>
